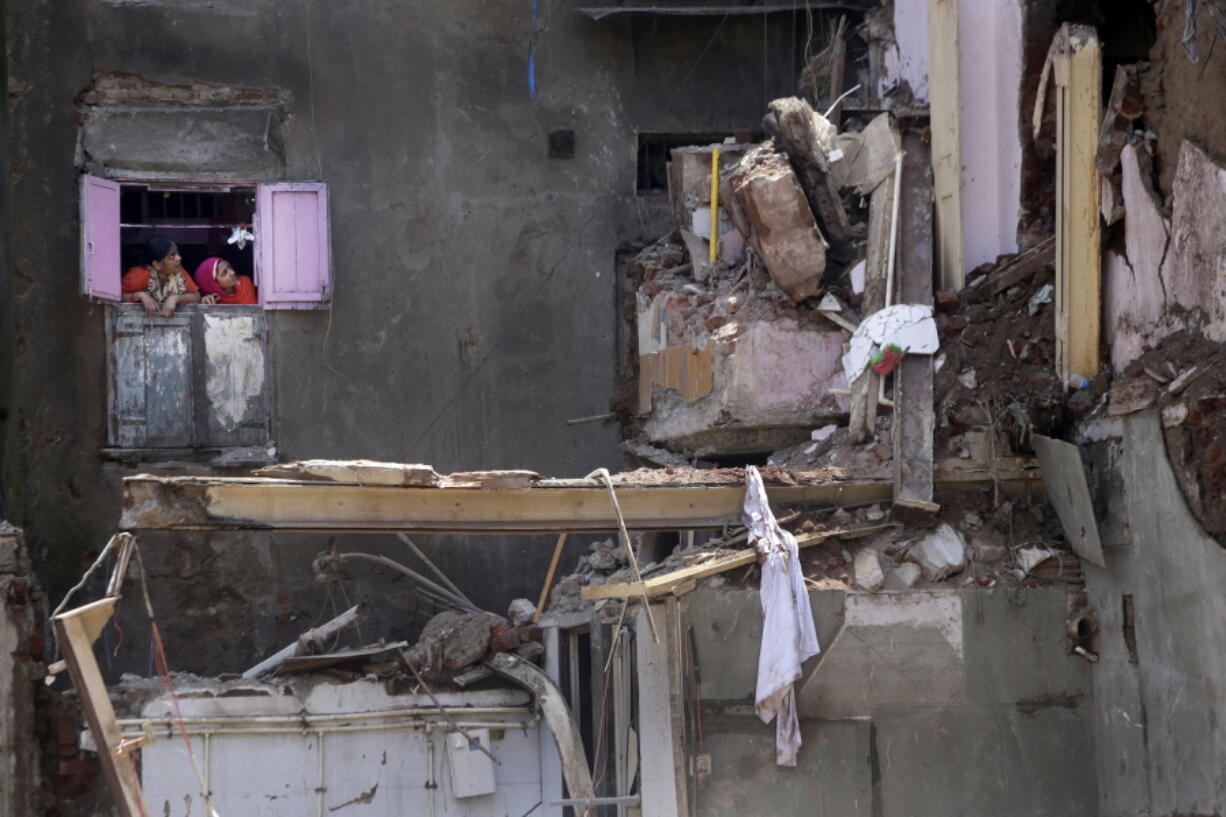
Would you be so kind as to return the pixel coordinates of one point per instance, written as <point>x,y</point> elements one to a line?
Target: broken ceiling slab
<point>908,326</point>
<point>1065,479</point>
<point>358,472</point>
<point>772,378</point>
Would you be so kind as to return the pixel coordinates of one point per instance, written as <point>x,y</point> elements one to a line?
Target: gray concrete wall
<point>1160,698</point>
<point>921,703</point>
<point>474,304</point>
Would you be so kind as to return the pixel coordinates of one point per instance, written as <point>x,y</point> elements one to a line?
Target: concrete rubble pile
<point>737,350</point>
<point>971,541</point>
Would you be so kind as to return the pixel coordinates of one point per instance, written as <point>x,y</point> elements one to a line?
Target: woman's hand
<point>211,298</point>
<point>150,305</point>
<point>168,306</point>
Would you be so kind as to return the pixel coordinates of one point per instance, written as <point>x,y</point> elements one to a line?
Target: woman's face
<point>226,277</point>
<point>170,263</point>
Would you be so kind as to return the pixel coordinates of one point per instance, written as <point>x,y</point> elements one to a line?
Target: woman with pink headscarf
<point>220,284</point>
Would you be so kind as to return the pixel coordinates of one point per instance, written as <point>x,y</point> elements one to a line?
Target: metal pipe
<point>373,727</point>
<point>319,783</point>
<point>430,783</point>
<point>309,720</point>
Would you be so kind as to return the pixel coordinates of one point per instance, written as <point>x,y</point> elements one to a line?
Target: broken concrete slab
<point>1064,478</point>
<point>867,570</point>
<point>940,554</point>
<point>357,472</point>
<point>773,379</point>
<point>782,226</point>
<point>880,144</point>
<point>907,574</point>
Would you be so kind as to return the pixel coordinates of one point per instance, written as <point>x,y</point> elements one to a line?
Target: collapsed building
<point>912,358</point>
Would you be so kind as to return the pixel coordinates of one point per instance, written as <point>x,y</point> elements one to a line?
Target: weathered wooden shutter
<point>293,245</point>
<point>152,394</point>
<point>235,376</point>
<point>196,380</point>
<point>100,272</point>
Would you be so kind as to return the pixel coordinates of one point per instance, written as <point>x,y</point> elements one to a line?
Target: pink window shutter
<point>293,244</point>
<point>100,272</point>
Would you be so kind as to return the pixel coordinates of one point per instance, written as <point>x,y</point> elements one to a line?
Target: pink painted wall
<point>990,43</point>
<point>1173,275</point>
<point>909,61</point>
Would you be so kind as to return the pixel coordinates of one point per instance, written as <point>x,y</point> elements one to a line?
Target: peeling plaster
<point>236,375</point>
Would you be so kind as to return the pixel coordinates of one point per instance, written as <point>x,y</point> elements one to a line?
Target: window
<point>290,261</point>
<point>197,384</point>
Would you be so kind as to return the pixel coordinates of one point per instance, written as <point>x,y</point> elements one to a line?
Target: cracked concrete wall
<point>1172,274</point>
<point>1158,688</point>
<point>475,303</point>
<point>923,703</point>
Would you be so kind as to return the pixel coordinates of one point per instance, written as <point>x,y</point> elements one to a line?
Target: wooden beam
<point>1013,272</point>
<point>195,503</point>
<point>662,585</point>
<point>76,631</point>
<point>554,506</point>
<point>1078,76</point>
<point>946,100</point>
<point>913,394</point>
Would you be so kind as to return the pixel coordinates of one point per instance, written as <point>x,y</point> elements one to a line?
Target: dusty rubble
<point>969,542</point>
<point>1184,377</point>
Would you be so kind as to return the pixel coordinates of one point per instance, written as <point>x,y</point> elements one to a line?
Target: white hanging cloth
<point>788,633</point>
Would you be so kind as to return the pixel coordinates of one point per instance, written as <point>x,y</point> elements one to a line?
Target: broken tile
<point>909,326</point>
<point>1030,558</point>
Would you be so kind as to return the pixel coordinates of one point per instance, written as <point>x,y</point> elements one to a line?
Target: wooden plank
<point>1078,267</point>
<point>663,585</point>
<point>553,569</point>
<point>76,631</point>
<point>237,503</point>
<point>913,391</point>
<point>946,102</point>
<point>686,369</point>
<point>1064,477</point>
<point>661,739</point>
<point>864,391</point>
<point>194,503</point>
<point>1014,272</point>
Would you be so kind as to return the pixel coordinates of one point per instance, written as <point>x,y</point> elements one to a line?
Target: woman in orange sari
<point>222,285</point>
<point>162,284</point>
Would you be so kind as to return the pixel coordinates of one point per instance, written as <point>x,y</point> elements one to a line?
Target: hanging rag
<point>788,633</point>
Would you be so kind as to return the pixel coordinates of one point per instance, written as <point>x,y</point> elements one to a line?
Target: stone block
<point>868,572</point>
<point>940,554</point>
<point>767,387</point>
<point>781,222</point>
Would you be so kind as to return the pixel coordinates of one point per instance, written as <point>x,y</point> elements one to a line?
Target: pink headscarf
<point>206,277</point>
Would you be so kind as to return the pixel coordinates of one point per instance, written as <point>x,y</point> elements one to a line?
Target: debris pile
<point>1184,377</point>
<point>743,312</point>
<point>969,542</point>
